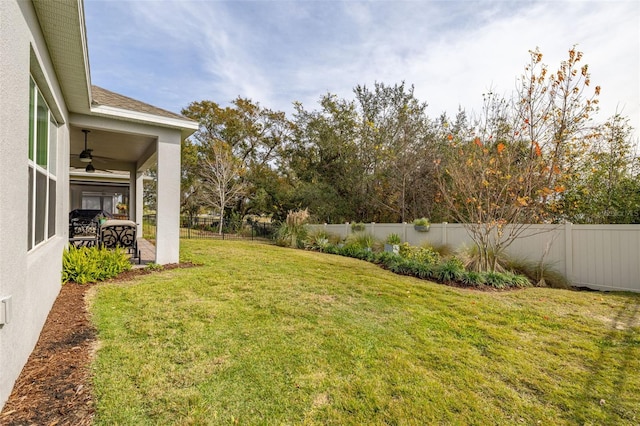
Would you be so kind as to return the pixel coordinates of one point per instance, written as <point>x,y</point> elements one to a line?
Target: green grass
<point>267,335</point>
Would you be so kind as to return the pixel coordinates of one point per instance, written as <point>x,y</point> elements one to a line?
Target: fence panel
<point>601,257</point>
<point>606,257</point>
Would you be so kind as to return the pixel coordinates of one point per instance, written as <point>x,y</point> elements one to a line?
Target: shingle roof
<point>105,97</point>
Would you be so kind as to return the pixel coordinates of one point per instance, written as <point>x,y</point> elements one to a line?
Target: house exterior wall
<point>30,278</point>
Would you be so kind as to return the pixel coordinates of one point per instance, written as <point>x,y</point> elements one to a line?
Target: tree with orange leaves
<point>510,167</point>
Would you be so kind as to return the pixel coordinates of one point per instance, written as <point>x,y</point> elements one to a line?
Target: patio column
<point>168,204</point>
<point>133,205</point>
<point>139,201</point>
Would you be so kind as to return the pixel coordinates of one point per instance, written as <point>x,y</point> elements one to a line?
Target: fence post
<point>373,229</point>
<point>404,232</point>
<point>346,229</point>
<point>568,251</point>
<point>444,233</point>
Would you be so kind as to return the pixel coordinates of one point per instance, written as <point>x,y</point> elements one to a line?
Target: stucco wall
<point>32,280</point>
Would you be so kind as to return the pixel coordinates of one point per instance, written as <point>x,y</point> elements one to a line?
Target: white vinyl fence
<point>601,257</point>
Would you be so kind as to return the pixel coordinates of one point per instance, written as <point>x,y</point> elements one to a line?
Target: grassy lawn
<point>267,335</point>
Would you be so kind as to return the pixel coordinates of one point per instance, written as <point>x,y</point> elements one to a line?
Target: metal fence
<point>198,227</point>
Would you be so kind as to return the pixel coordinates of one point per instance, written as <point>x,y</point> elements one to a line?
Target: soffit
<point>63,27</point>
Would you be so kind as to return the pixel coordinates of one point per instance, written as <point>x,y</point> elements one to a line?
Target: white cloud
<point>283,51</point>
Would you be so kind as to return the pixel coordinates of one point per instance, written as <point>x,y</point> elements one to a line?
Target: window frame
<point>42,169</point>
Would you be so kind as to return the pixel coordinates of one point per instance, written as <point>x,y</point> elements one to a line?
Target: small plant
<point>357,227</point>
<point>515,280</point>
<point>393,239</point>
<point>154,267</point>
<point>423,221</point>
<point>473,278</point>
<point>497,280</point>
<point>319,240</point>
<point>292,233</point>
<point>451,270</point>
<point>91,264</point>
<point>361,240</point>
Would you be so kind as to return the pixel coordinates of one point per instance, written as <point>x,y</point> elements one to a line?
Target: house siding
<point>31,279</point>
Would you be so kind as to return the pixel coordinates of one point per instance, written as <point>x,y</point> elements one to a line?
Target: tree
<point>606,186</point>
<point>221,172</point>
<point>395,151</point>
<point>254,135</point>
<point>511,167</point>
<point>488,181</point>
<point>323,159</point>
<point>190,203</point>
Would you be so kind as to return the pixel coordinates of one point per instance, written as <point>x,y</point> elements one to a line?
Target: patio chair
<point>120,233</point>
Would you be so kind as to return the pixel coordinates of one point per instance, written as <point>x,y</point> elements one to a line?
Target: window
<point>43,145</point>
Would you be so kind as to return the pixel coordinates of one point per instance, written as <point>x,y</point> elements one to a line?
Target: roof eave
<point>71,65</point>
<point>187,127</point>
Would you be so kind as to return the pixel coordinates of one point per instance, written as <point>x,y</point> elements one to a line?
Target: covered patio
<point>124,138</point>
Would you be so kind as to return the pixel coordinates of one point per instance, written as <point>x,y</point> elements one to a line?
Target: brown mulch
<point>54,387</point>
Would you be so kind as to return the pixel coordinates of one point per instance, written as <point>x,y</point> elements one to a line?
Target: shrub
<point>317,240</point>
<point>387,260</point>
<point>473,278</point>
<point>90,264</point>
<point>292,233</point>
<point>517,280</point>
<point>421,254</point>
<point>361,240</point>
<point>496,279</point>
<point>450,270</point>
<point>357,252</point>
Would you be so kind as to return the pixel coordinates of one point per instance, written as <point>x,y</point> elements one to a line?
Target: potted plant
<point>101,219</point>
<point>357,227</point>
<point>422,224</point>
<point>122,208</point>
<point>392,243</point>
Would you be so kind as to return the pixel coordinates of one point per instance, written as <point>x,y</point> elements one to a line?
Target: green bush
<point>357,252</point>
<point>90,264</point>
<point>496,280</point>
<point>516,280</point>
<point>421,254</point>
<point>450,270</point>
<point>291,236</point>
<point>362,240</point>
<point>474,279</point>
<point>317,240</point>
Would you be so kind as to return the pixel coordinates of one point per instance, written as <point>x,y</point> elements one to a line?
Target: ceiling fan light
<point>85,156</point>
<point>90,168</point>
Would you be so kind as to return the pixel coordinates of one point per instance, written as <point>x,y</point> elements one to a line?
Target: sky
<point>170,53</point>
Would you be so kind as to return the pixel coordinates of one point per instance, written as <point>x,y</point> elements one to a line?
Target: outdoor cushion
<point>120,233</point>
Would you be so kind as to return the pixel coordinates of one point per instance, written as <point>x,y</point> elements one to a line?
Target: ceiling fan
<point>86,155</point>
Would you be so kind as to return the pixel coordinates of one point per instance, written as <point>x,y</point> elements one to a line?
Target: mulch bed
<point>54,387</point>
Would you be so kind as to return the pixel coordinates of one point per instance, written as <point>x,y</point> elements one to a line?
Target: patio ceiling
<point>111,150</point>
